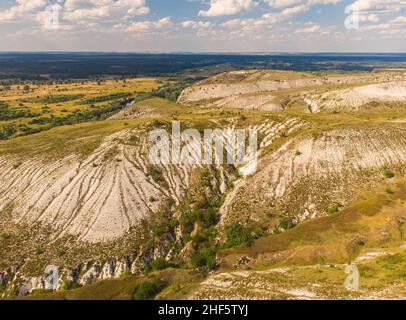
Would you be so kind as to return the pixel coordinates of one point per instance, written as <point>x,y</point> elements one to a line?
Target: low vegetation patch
<point>149,289</point>
<point>110,97</point>
<point>237,235</point>
<point>388,173</point>
<point>54,98</point>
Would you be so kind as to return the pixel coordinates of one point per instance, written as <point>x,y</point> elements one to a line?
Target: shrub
<point>210,217</point>
<point>159,264</point>
<point>334,209</point>
<point>110,97</point>
<point>173,223</point>
<point>69,285</point>
<point>125,274</point>
<point>148,289</point>
<point>238,235</point>
<point>7,131</point>
<point>17,165</point>
<point>159,230</point>
<point>287,223</point>
<point>205,258</point>
<point>156,174</point>
<point>38,292</point>
<point>388,173</point>
<point>58,98</point>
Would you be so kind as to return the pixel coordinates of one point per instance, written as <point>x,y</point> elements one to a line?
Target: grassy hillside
<point>329,190</point>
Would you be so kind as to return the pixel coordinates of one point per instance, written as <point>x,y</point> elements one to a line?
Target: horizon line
<point>207,52</point>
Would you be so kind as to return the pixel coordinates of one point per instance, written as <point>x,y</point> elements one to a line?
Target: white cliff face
<point>246,102</point>
<point>308,175</point>
<point>86,273</point>
<point>253,88</point>
<point>101,197</point>
<point>355,98</point>
<point>98,198</point>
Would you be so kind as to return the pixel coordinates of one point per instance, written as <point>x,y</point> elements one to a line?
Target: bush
<point>110,97</point>
<point>156,174</point>
<point>238,235</point>
<point>210,217</point>
<point>173,223</point>
<point>58,98</point>
<point>205,258</point>
<point>148,290</point>
<point>10,114</point>
<point>159,230</point>
<point>159,264</point>
<point>69,285</point>
<point>388,173</point>
<point>7,131</point>
<point>39,292</point>
<point>334,209</point>
<point>287,223</point>
<point>125,274</point>
<point>171,92</point>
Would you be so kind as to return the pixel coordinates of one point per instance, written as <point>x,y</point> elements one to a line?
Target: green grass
<point>148,289</point>
<point>61,141</point>
<point>126,288</point>
<point>110,97</point>
<point>388,173</point>
<point>334,234</point>
<point>237,235</point>
<point>54,98</point>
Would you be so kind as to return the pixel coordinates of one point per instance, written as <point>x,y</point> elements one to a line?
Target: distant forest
<point>52,66</point>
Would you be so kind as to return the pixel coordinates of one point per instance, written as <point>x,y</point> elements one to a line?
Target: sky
<point>203,25</point>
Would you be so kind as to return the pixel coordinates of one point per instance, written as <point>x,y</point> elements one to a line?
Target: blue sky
<point>204,25</point>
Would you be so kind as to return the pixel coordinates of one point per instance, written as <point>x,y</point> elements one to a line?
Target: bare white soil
<point>221,87</point>
<point>101,197</point>
<point>247,102</point>
<point>306,176</point>
<point>355,98</point>
<point>98,198</point>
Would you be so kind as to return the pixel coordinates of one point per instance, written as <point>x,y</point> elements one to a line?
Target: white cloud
<point>75,11</point>
<point>195,24</point>
<point>22,10</point>
<point>149,26</point>
<point>377,6</point>
<point>227,7</point>
<point>293,11</point>
<point>310,28</point>
<point>281,4</point>
<point>81,10</point>
<point>400,20</point>
<point>378,16</point>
